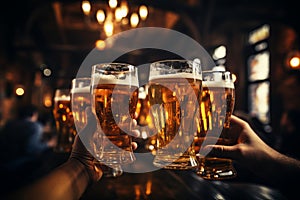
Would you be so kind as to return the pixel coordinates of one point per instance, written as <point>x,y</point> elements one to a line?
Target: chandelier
<point>114,16</point>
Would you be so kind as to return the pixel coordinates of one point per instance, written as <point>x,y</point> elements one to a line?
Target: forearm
<point>69,181</point>
<point>287,169</point>
<point>277,169</point>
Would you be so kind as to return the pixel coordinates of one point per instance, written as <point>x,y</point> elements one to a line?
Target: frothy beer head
<point>217,79</point>
<point>176,76</point>
<point>187,69</point>
<point>218,84</point>
<point>85,89</point>
<point>100,79</point>
<point>62,98</point>
<point>114,73</point>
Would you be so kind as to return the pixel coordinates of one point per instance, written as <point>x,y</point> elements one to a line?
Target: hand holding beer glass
<point>218,97</point>
<point>114,99</point>
<point>64,121</point>
<point>174,93</point>
<point>81,99</point>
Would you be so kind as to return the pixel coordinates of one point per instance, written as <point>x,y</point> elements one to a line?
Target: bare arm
<point>251,152</point>
<point>70,180</point>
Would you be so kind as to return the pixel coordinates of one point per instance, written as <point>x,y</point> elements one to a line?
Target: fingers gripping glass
<point>217,104</point>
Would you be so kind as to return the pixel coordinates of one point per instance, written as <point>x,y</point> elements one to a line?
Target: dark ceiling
<point>57,34</point>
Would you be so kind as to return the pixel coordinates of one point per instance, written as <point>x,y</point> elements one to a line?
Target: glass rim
<point>80,78</point>
<point>112,63</point>
<point>190,69</point>
<point>171,60</point>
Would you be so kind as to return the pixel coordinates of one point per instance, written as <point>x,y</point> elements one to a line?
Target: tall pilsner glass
<point>174,94</point>
<point>80,100</point>
<point>217,104</point>
<point>114,99</point>
<point>64,121</point>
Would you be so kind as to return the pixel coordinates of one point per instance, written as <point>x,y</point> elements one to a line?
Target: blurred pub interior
<point>43,43</point>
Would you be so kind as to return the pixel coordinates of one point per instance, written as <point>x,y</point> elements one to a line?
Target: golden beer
<point>64,123</point>
<point>173,103</point>
<point>114,100</point>
<point>217,104</point>
<point>81,99</point>
<point>216,107</point>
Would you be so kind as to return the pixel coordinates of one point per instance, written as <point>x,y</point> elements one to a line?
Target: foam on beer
<point>62,98</point>
<point>218,84</point>
<point>113,79</point>
<point>85,89</point>
<point>177,75</point>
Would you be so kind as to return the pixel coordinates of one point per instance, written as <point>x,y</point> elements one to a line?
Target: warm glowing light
<point>20,91</point>
<point>137,190</point>
<point>148,187</point>
<point>153,142</point>
<point>219,52</point>
<point>124,9</point>
<point>143,11</point>
<point>100,44</point>
<point>100,16</point>
<point>118,14</point>
<point>144,135</point>
<point>113,3</point>
<point>47,101</point>
<point>151,147</point>
<point>47,72</point>
<point>134,20</point>
<point>86,7</point>
<point>114,17</point>
<point>125,21</point>
<point>108,28</point>
<point>233,78</point>
<point>295,62</point>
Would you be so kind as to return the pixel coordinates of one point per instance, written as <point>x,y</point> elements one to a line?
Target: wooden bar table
<point>171,184</point>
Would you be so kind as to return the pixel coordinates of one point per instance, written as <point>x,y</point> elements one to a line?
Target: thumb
<point>222,151</point>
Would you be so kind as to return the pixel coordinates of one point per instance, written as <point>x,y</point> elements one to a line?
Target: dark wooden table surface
<point>171,184</point>
<point>155,185</point>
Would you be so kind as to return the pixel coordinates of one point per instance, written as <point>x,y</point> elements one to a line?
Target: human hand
<point>82,145</point>
<point>80,152</point>
<point>247,148</point>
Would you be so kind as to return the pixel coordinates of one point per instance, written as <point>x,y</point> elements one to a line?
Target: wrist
<point>92,173</point>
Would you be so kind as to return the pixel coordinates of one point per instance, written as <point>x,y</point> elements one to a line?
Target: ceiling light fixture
<point>114,16</point>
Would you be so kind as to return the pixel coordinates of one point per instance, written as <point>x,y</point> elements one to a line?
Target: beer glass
<point>174,94</point>
<point>64,121</point>
<point>114,99</point>
<point>217,104</point>
<point>80,100</point>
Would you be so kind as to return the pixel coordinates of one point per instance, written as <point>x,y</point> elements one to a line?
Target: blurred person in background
<point>22,148</point>
<point>70,179</point>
